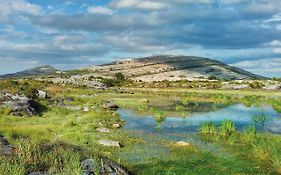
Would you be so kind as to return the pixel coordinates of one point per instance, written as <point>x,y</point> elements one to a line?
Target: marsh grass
<point>265,147</point>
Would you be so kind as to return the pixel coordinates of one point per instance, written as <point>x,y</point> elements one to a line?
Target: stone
<point>109,143</point>
<point>144,100</point>
<point>69,99</point>
<point>38,173</point>
<point>73,108</point>
<point>5,147</point>
<point>103,130</point>
<point>86,109</point>
<point>88,166</point>
<point>42,94</point>
<point>20,105</point>
<point>111,168</point>
<point>116,125</point>
<point>182,144</point>
<point>110,105</point>
<point>3,140</point>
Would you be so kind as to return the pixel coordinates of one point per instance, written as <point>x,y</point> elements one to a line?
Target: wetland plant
<point>227,128</point>
<point>208,128</point>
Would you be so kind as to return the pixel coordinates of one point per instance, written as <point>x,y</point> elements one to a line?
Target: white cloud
<point>275,43</point>
<point>100,10</point>
<point>277,50</point>
<point>9,7</point>
<point>153,4</point>
<point>269,67</point>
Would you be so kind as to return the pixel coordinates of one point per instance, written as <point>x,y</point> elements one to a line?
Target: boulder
<point>39,173</point>
<point>109,143</point>
<point>116,125</point>
<point>5,147</point>
<point>88,166</point>
<point>182,144</point>
<point>102,130</point>
<point>20,105</point>
<point>110,105</point>
<point>86,109</point>
<point>42,94</point>
<point>111,168</point>
<point>144,100</point>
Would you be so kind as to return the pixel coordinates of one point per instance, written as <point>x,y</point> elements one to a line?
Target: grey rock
<point>42,94</point>
<point>103,130</point>
<point>20,105</point>
<point>73,108</point>
<point>88,166</point>
<point>109,143</point>
<point>110,105</point>
<point>39,173</point>
<point>5,147</point>
<point>86,109</point>
<point>3,140</point>
<point>69,99</point>
<point>112,168</point>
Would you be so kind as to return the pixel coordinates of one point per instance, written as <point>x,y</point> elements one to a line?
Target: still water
<point>241,115</point>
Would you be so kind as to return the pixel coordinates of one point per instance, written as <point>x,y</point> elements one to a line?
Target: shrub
<point>256,85</point>
<point>212,77</point>
<point>119,76</point>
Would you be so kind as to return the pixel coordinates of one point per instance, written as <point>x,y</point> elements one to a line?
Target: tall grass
<point>265,147</point>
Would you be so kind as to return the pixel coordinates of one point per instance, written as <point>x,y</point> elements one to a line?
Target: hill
<point>40,70</point>
<point>172,68</point>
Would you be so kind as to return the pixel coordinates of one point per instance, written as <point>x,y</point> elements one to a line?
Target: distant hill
<point>172,68</point>
<point>40,70</point>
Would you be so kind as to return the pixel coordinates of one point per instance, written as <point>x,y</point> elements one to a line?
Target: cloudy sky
<point>74,33</point>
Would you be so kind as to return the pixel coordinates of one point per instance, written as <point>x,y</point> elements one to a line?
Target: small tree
<point>119,77</point>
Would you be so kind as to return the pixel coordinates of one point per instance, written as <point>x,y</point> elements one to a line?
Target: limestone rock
<point>109,143</point>
<point>42,94</point>
<point>182,144</point>
<point>88,166</point>
<point>103,130</point>
<point>110,105</point>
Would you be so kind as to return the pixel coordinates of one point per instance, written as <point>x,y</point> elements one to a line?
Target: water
<point>175,128</point>
<point>241,115</point>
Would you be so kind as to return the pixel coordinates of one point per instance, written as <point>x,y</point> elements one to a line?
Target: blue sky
<point>76,33</point>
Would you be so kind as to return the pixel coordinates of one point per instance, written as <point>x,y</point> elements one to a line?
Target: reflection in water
<point>241,115</point>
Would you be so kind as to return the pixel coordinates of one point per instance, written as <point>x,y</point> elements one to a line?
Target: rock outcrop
<point>20,105</point>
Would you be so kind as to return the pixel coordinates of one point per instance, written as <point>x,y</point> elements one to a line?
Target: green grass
<point>60,138</point>
<point>264,147</point>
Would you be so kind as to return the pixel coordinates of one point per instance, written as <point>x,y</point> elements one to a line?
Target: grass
<point>60,138</point>
<point>264,147</point>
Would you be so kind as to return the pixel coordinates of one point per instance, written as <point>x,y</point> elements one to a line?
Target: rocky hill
<point>40,70</point>
<point>172,68</point>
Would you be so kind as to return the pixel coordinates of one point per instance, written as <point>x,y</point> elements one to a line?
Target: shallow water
<point>241,115</point>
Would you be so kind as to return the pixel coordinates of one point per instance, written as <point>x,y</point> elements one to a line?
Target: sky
<point>71,34</point>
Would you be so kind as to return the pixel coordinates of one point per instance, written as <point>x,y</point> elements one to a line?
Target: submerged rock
<point>88,166</point>
<point>109,143</point>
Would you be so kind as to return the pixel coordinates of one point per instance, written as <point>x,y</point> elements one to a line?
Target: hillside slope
<point>172,68</point>
<point>40,70</point>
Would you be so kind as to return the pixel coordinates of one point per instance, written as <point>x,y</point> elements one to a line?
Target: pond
<point>241,115</point>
